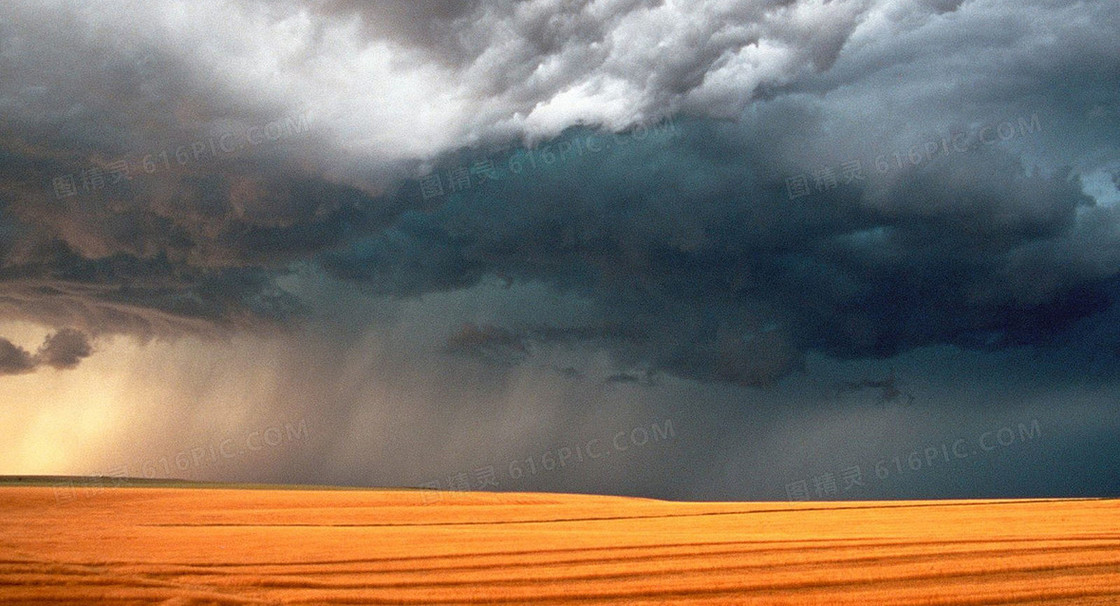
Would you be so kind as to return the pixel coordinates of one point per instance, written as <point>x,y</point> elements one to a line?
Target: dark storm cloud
<point>693,244</point>
<point>696,243</point>
<point>491,342</point>
<point>150,89</point>
<point>700,260</point>
<point>136,196</point>
<point>62,350</point>
<point>14,360</point>
<point>976,244</point>
<point>144,297</point>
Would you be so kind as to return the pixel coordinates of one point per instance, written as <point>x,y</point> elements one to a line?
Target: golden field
<point>177,546</point>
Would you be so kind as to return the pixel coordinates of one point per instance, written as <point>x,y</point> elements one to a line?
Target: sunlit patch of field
<point>205,545</point>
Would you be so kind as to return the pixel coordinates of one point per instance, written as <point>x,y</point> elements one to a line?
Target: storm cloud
<point>697,233</point>
<point>583,195</point>
<point>62,350</point>
<point>14,359</point>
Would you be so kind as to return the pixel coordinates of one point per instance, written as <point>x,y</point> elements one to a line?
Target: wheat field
<point>177,546</point>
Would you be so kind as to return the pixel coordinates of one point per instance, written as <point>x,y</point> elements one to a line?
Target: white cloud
<point>506,69</point>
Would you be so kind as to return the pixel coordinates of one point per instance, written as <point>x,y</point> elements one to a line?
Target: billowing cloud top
<point>730,183</point>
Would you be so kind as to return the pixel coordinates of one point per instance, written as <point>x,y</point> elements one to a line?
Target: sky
<point>708,249</point>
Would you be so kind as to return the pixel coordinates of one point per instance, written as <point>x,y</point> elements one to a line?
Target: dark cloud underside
<point>701,261</point>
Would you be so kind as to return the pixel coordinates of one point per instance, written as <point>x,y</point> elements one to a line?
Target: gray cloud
<point>697,244</point>
<point>14,360</point>
<point>64,349</point>
<point>695,236</point>
<point>718,275</point>
<point>61,350</point>
<point>138,197</point>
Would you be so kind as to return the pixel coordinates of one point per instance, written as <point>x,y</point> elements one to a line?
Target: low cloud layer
<point>704,266</point>
<point>62,350</point>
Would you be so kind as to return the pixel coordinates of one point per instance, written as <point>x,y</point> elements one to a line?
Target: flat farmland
<point>177,546</point>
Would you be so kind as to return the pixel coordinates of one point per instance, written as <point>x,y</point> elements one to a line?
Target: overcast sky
<point>717,249</point>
